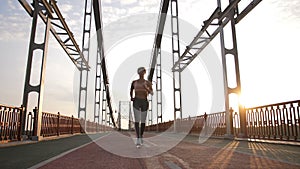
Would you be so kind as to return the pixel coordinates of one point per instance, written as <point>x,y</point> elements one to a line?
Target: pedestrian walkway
<point>81,152</point>
<point>20,155</point>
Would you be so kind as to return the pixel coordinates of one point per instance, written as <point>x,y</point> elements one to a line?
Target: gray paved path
<point>26,155</point>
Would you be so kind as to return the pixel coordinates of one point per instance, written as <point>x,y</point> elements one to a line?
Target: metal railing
<point>51,125</point>
<point>193,125</point>
<point>92,127</point>
<point>280,121</point>
<point>159,127</point>
<point>198,124</point>
<point>275,121</point>
<point>9,123</point>
<point>56,124</point>
<point>216,122</point>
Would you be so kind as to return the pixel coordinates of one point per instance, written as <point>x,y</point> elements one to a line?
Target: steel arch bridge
<point>51,16</point>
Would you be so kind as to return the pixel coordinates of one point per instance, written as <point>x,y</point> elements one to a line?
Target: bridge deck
<point>79,152</point>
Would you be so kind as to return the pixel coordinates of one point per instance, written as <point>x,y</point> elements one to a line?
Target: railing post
<point>27,133</point>
<point>57,129</point>
<point>20,122</point>
<point>35,122</point>
<point>72,123</point>
<point>205,124</point>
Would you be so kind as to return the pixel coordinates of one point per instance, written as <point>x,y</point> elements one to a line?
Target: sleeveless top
<point>140,89</point>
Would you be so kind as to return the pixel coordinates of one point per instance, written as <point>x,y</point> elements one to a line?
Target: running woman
<point>141,89</point>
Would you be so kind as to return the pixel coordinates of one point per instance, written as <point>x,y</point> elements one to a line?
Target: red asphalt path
<point>185,155</point>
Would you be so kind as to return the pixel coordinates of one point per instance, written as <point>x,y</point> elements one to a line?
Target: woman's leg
<point>144,109</point>
<point>137,118</point>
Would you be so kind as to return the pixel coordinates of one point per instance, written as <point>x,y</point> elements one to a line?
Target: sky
<point>267,46</point>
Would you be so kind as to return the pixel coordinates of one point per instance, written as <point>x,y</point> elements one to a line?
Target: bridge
<point>197,117</point>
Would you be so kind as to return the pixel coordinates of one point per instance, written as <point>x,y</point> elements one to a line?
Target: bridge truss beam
<point>59,30</point>
<point>216,22</point>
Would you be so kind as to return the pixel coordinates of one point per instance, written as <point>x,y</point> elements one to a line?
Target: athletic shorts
<point>140,108</point>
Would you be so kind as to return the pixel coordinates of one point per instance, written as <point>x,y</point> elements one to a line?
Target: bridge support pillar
<point>36,62</point>
<point>158,89</point>
<point>243,131</point>
<point>176,56</point>
<point>84,73</point>
<point>232,82</point>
